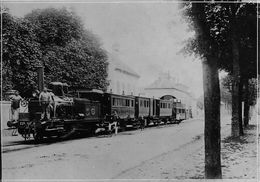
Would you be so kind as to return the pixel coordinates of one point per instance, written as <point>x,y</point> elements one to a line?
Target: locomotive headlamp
<point>34,94</point>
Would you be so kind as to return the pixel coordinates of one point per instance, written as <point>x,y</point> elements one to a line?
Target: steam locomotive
<point>89,110</point>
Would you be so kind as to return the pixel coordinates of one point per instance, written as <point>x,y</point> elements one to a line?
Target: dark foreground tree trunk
<point>235,82</point>
<point>212,119</point>
<point>246,104</point>
<point>241,131</point>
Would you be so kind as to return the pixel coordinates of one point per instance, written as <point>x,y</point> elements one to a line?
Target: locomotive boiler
<point>68,114</point>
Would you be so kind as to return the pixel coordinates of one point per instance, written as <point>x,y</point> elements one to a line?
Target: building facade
<point>166,85</point>
<point>122,79</point>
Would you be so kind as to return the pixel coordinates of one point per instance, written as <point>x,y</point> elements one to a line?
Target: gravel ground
<point>165,152</point>
<point>238,160</point>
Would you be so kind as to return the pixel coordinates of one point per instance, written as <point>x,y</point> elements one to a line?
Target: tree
<point>71,53</point>
<point>239,56</point>
<point>248,55</point>
<point>204,45</point>
<point>233,26</point>
<point>21,54</point>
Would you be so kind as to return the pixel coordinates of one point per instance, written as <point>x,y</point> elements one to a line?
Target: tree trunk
<point>241,132</point>
<point>235,83</point>
<point>246,104</point>
<point>212,119</point>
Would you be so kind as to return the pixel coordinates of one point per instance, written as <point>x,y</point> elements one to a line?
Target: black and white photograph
<point>126,90</point>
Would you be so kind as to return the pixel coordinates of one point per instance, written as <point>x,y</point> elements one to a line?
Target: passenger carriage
<point>180,111</point>
<point>143,109</point>
<point>112,104</point>
<point>166,112</point>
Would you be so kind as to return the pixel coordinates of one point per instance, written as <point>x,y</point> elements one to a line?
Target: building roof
<point>120,66</point>
<point>166,81</point>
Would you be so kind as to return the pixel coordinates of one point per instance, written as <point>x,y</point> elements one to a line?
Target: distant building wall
<point>5,113</point>
<point>167,85</point>
<point>121,77</point>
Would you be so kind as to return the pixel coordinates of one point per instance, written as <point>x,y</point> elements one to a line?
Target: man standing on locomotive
<point>45,101</point>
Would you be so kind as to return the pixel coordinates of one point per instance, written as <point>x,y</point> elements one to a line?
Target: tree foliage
<point>218,18</point>
<point>56,39</point>
<point>21,54</point>
<point>71,53</point>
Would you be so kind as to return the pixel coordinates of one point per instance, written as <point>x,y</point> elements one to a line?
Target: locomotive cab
<point>59,89</point>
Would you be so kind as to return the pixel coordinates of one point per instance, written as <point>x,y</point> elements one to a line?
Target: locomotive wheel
<point>70,131</point>
<point>37,132</point>
<point>37,135</point>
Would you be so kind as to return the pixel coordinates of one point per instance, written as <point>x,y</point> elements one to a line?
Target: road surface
<point>155,153</point>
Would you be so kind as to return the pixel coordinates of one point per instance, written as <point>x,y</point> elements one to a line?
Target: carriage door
<point>150,107</point>
<point>154,107</point>
<point>157,107</point>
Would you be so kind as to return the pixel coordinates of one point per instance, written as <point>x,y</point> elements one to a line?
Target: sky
<point>146,36</point>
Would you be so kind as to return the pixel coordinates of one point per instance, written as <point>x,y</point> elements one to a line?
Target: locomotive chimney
<point>40,78</point>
